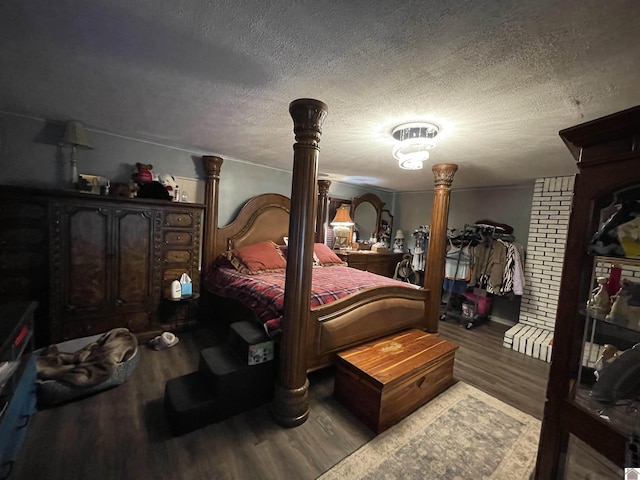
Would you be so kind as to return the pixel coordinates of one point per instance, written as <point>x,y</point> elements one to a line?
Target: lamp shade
<point>399,234</point>
<point>342,218</point>
<point>75,135</point>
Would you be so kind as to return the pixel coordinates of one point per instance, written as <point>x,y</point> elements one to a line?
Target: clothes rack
<point>462,305</point>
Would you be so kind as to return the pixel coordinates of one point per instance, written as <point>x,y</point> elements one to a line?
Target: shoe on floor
<point>164,341</point>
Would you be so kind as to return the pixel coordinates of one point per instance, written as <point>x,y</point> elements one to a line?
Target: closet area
<point>482,261</point>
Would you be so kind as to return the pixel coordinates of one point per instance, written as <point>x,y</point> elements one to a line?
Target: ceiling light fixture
<point>414,140</point>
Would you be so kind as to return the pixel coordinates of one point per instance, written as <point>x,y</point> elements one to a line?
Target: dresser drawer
<point>177,256</point>
<point>178,238</point>
<point>178,219</point>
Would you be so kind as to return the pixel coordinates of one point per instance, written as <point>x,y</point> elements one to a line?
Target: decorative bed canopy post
<point>323,209</point>
<point>212,166</point>
<point>290,406</point>
<point>434,275</point>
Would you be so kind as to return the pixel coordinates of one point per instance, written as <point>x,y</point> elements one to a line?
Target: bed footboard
<point>367,315</point>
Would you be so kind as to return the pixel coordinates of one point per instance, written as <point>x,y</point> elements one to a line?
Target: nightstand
<point>179,313</point>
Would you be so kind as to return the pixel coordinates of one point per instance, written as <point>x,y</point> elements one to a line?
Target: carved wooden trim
<point>323,210</point>
<point>434,270</point>
<point>374,200</point>
<point>291,403</point>
<point>249,215</point>
<point>443,174</point>
<point>55,270</point>
<point>195,259</point>
<point>252,220</point>
<point>157,252</point>
<point>212,166</point>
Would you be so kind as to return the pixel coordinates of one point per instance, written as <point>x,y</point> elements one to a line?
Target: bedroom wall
<point>510,205</point>
<point>30,155</point>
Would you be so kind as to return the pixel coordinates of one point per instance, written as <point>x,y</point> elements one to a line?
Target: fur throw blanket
<point>91,365</point>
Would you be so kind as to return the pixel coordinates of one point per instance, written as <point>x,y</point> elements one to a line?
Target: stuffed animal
<point>170,184</point>
<point>147,185</point>
<point>143,173</point>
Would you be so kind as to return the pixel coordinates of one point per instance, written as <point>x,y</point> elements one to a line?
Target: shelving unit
<point>607,152</point>
<point>600,330</point>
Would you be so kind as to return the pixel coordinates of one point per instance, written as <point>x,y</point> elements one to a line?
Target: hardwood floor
<point>122,433</point>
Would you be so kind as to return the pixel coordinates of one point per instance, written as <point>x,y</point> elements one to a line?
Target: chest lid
<point>397,356</point>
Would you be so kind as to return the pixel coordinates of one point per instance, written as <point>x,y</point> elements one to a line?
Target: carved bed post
<point>323,209</point>
<point>290,406</point>
<point>212,166</point>
<point>434,271</point>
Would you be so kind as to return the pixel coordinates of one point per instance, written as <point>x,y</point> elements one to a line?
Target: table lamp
<point>75,137</point>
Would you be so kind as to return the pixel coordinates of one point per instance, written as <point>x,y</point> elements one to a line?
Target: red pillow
<point>326,256</point>
<point>258,258</point>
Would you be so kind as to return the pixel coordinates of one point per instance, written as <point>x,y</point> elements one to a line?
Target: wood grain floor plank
<point>123,434</point>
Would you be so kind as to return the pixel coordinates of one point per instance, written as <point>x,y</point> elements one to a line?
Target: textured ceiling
<point>500,77</point>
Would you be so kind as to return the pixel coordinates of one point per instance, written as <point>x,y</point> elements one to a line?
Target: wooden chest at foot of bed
<point>383,381</point>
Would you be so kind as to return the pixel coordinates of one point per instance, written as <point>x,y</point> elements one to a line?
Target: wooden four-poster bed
<point>312,335</point>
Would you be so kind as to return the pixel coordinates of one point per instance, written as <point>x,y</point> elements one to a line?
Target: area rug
<point>462,433</point>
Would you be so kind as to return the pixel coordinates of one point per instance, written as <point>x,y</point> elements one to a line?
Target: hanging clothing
<point>455,286</point>
<point>489,261</point>
<point>518,270</point>
<point>457,263</point>
<point>508,269</point>
<point>421,238</point>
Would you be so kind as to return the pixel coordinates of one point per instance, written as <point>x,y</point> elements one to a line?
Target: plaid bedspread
<point>264,293</point>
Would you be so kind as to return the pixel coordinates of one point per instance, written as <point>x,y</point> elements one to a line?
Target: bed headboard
<point>263,218</point>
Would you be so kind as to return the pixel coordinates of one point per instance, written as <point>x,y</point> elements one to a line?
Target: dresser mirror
<point>386,227</point>
<point>366,212</point>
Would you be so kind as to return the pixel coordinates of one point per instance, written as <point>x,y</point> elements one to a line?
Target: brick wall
<point>550,211</point>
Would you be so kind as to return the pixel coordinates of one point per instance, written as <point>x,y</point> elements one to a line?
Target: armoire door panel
<point>133,255</point>
<point>86,277</point>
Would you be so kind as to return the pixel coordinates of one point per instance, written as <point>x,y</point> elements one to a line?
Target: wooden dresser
<point>374,262</point>
<point>110,260</point>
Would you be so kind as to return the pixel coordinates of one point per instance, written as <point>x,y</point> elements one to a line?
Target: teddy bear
<point>143,173</point>
<point>147,185</point>
<point>170,184</point>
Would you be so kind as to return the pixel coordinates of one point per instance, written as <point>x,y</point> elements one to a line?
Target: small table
<point>179,313</point>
